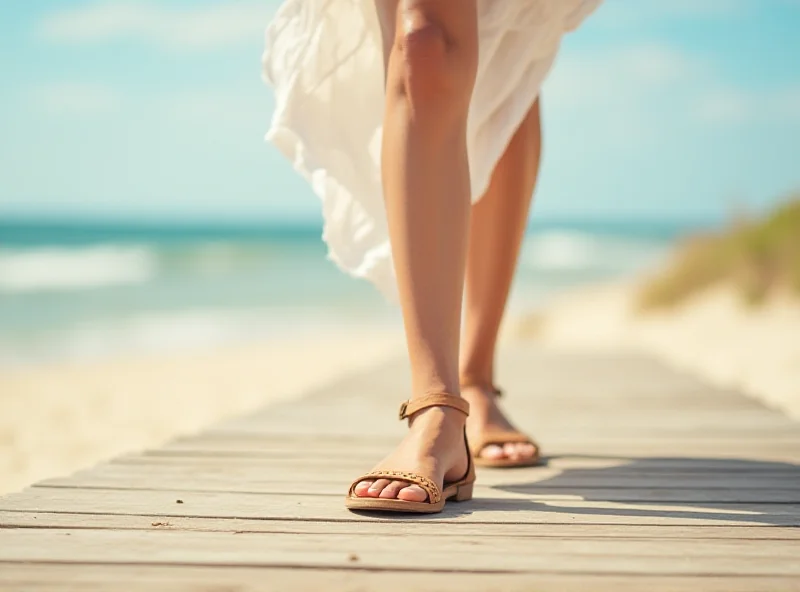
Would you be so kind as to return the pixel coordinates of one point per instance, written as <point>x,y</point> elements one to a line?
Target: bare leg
<point>431,53</point>
<point>496,232</point>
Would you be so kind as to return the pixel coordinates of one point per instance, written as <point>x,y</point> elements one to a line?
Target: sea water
<point>83,290</point>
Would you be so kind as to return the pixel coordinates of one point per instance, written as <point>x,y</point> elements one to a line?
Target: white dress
<point>324,60</point>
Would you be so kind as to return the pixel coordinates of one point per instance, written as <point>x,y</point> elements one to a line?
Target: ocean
<point>86,290</point>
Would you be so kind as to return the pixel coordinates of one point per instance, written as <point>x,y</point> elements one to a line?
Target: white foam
<point>559,250</point>
<point>174,331</point>
<point>80,268</point>
<point>575,251</point>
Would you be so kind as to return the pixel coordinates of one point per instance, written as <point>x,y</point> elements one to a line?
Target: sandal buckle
<point>403,407</point>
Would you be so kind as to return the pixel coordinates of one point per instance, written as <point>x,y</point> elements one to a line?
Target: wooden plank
<point>305,448</point>
<point>372,395</point>
<point>558,428</point>
<point>502,507</point>
<point>728,556</point>
<point>736,461</point>
<point>757,457</point>
<point>509,530</point>
<point>531,493</point>
<point>608,444</point>
<point>350,414</point>
<point>697,402</point>
<point>337,444</point>
<point>241,479</point>
<point>188,578</point>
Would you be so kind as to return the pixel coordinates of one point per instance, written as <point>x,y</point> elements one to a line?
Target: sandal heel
<point>464,493</point>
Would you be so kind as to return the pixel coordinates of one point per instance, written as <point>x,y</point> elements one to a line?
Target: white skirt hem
<point>324,60</point>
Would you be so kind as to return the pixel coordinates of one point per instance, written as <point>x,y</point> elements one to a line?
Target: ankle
<point>475,376</point>
<point>484,389</point>
<point>435,385</point>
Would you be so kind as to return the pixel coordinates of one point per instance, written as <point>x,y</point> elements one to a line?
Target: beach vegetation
<point>758,257</point>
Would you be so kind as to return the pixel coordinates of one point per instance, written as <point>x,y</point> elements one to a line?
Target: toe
<point>391,490</point>
<point>528,450</point>
<point>510,450</point>
<point>362,487</point>
<point>492,451</point>
<point>376,488</point>
<point>412,493</point>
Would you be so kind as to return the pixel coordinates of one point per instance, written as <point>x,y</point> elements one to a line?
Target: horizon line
<point>314,222</point>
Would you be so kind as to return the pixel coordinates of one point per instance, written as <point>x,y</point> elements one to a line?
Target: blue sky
<point>155,109</point>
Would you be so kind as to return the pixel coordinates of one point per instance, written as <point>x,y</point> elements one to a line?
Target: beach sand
<point>57,419</point>
<point>714,335</point>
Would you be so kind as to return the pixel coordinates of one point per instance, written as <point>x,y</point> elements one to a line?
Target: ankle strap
<point>496,391</point>
<point>410,407</point>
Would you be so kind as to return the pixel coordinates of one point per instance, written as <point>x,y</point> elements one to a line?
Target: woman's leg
<point>431,50</point>
<point>497,228</point>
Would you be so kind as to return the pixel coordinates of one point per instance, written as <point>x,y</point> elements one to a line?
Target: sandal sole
<point>506,463</point>
<point>456,493</point>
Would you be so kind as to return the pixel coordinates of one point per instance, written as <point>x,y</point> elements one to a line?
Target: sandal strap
<point>434,495</point>
<point>496,390</point>
<point>412,406</point>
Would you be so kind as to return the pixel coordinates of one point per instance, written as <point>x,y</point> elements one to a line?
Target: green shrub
<point>758,257</point>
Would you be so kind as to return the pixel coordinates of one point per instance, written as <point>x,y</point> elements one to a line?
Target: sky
<point>679,109</point>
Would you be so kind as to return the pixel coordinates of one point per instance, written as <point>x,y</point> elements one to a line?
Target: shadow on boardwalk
<point>673,488</point>
<point>759,492</point>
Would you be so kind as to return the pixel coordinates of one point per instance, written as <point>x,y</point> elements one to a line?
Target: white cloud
<point>628,13</point>
<point>224,108</point>
<point>619,93</point>
<point>737,106</point>
<point>190,28</point>
<point>722,106</point>
<point>787,103</point>
<point>76,99</point>
<point>641,93</point>
<point>199,106</point>
<point>619,76</point>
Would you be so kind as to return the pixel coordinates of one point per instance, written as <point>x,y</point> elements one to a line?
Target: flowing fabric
<point>324,60</point>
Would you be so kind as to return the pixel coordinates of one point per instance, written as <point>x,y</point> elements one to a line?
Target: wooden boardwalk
<point>653,481</point>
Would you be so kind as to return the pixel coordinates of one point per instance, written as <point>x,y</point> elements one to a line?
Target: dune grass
<point>758,257</point>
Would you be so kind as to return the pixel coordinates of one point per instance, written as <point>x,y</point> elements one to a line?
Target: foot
<point>485,416</point>
<point>433,447</point>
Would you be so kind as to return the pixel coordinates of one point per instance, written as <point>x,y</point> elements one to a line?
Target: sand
<point>715,336</point>
<point>56,419</point>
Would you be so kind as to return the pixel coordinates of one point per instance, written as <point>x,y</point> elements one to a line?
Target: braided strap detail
<point>434,495</point>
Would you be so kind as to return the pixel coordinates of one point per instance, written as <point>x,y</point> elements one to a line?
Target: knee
<point>437,67</point>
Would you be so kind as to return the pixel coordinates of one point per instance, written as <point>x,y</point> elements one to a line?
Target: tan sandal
<point>459,491</point>
<point>500,437</point>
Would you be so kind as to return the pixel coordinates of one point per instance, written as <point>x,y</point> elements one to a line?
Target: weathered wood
<point>729,556</point>
<point>652,481</point>
<point>244,479</point>
<point>232,444</point>
<point>533,493</point>
<point>501,507</point>
<point>190,578</point>
<point>603,426</point>
<point>600,531</point>
<point>690,452</point>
